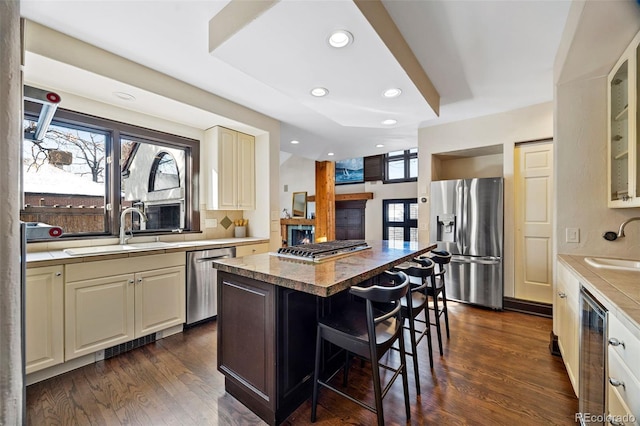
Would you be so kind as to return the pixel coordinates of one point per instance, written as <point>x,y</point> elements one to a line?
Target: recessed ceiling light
<point>389,122</point>
<point>295,142</point>
<point>319,92</point>
<point>340,38</point>
<point>124,96</point>
<point>330,154</point>
<point>392,93</point>
<point>379,146</point>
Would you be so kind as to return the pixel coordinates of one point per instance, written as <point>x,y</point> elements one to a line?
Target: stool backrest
<point>394,287</point>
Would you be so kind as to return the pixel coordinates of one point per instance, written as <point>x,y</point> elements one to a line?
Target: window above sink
<point>88,169</point>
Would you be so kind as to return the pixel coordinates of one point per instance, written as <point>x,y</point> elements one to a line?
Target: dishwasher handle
<point>212,258</point>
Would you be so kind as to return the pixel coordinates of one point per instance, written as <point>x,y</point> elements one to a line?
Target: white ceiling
<point>483,57</point>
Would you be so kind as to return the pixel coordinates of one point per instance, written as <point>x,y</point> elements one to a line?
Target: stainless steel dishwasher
<point>202,279</point>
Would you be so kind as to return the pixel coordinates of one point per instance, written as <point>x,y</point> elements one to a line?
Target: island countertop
<point>328,277</point>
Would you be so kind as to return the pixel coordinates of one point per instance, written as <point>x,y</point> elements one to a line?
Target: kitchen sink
<point>116,248</point>
<point>608,263</point>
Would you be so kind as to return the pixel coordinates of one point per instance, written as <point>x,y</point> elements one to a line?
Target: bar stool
<point>369,333</point>
<point>413,305</point>
<point>438,290</point>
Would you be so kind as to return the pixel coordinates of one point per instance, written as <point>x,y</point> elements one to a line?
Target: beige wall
<point>11,380</point>
<point>581,129</point>
<point>506,129</point>
<point>482,166</point>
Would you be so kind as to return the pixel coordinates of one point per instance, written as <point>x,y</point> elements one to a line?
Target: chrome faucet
<point>623,224</point>
<point>123,234</point>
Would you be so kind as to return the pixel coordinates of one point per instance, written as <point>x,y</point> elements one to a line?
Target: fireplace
<point>300,234</point>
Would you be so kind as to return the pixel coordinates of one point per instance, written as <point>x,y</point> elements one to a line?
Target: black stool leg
<point>377,389</point>
<point>316,376</point>
<point>414,352</point>
<point>405,378</point>
<point>428,330</point>
<point>445,309</point>
<point>436,312</point>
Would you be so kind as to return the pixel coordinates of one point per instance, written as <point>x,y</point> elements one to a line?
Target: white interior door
<point>534,206</point>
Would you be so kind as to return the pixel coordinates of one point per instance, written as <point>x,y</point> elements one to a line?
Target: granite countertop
<point>617,290</point>
<point>328,277</point>
<point>59,256</point>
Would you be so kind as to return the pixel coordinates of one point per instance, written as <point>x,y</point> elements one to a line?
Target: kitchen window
<point>400,220</point>
<point>88,169</point>
<point>401,166</point>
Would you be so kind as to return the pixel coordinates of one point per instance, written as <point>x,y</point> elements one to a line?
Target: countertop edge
<point>59,257</point>
<point>602,284</point>
<point>310,288</point>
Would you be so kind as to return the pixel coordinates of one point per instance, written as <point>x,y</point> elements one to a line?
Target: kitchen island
<point>268,307</point>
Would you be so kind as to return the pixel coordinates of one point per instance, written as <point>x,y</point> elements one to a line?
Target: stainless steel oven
<point>593,360</point>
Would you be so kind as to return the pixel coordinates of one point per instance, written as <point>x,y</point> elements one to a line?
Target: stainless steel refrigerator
<point>467,221</point>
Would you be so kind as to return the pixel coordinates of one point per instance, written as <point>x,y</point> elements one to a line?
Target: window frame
<point>406,158</point>
<point>407,223</point>
<point>117,131</point>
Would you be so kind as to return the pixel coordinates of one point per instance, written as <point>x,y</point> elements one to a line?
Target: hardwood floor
<point>496,370</point>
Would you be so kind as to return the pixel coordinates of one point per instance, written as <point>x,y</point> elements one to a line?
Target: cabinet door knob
<point>130,281</point>
<point>615,342</point>
<point>139,280</point>
<point>58,274</point>
<point>616,383</point>
<point>615,422</point>
<point>562,294</point>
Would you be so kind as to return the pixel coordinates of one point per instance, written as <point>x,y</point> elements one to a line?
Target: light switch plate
<point>573,235</point>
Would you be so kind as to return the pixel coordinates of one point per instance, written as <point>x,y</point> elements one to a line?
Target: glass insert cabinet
<point>624,150</point>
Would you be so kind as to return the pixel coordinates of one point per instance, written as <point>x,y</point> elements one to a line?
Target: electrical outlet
<point>573,235</point>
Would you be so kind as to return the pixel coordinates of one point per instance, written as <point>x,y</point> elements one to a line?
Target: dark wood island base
<point>267,314</point>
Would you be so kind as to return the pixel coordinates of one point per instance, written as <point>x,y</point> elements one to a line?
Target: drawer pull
<point>562,294</point>
<point>616,383</point>
<point>615,342</point>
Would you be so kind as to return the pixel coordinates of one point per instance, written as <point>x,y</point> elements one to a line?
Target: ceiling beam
<point>380,20</point>
<point>233,17</point>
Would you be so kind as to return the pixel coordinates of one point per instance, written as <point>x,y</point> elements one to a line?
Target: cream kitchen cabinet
<point>44,317</point>
<point>102,309</point>
<point>623,387</point>
<point>252,249</point>
<point>623,137</point>
<point>229,163</point>
<point>566,316</point>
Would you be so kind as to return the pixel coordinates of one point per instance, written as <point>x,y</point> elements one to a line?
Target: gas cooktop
<point>318,252</point>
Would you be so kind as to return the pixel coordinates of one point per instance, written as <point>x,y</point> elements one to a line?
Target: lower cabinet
<point>44,317</point>
<point>566,317</point>
<point>623,387</point>
<point>103,310</point>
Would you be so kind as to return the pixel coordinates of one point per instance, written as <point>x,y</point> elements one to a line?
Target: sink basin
<point>621,264</point>
<point>82,251</point>
<point>151,245</point>
<point>116,248</point>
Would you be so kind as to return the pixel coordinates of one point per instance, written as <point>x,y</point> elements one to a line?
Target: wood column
<point>325,201</point>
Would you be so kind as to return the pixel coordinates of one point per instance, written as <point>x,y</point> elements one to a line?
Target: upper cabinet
<point>229,162</point>
<point>622,110</point>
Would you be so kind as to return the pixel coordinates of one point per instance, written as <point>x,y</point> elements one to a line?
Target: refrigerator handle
<point>459,219</point>
<point>484,260</point>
